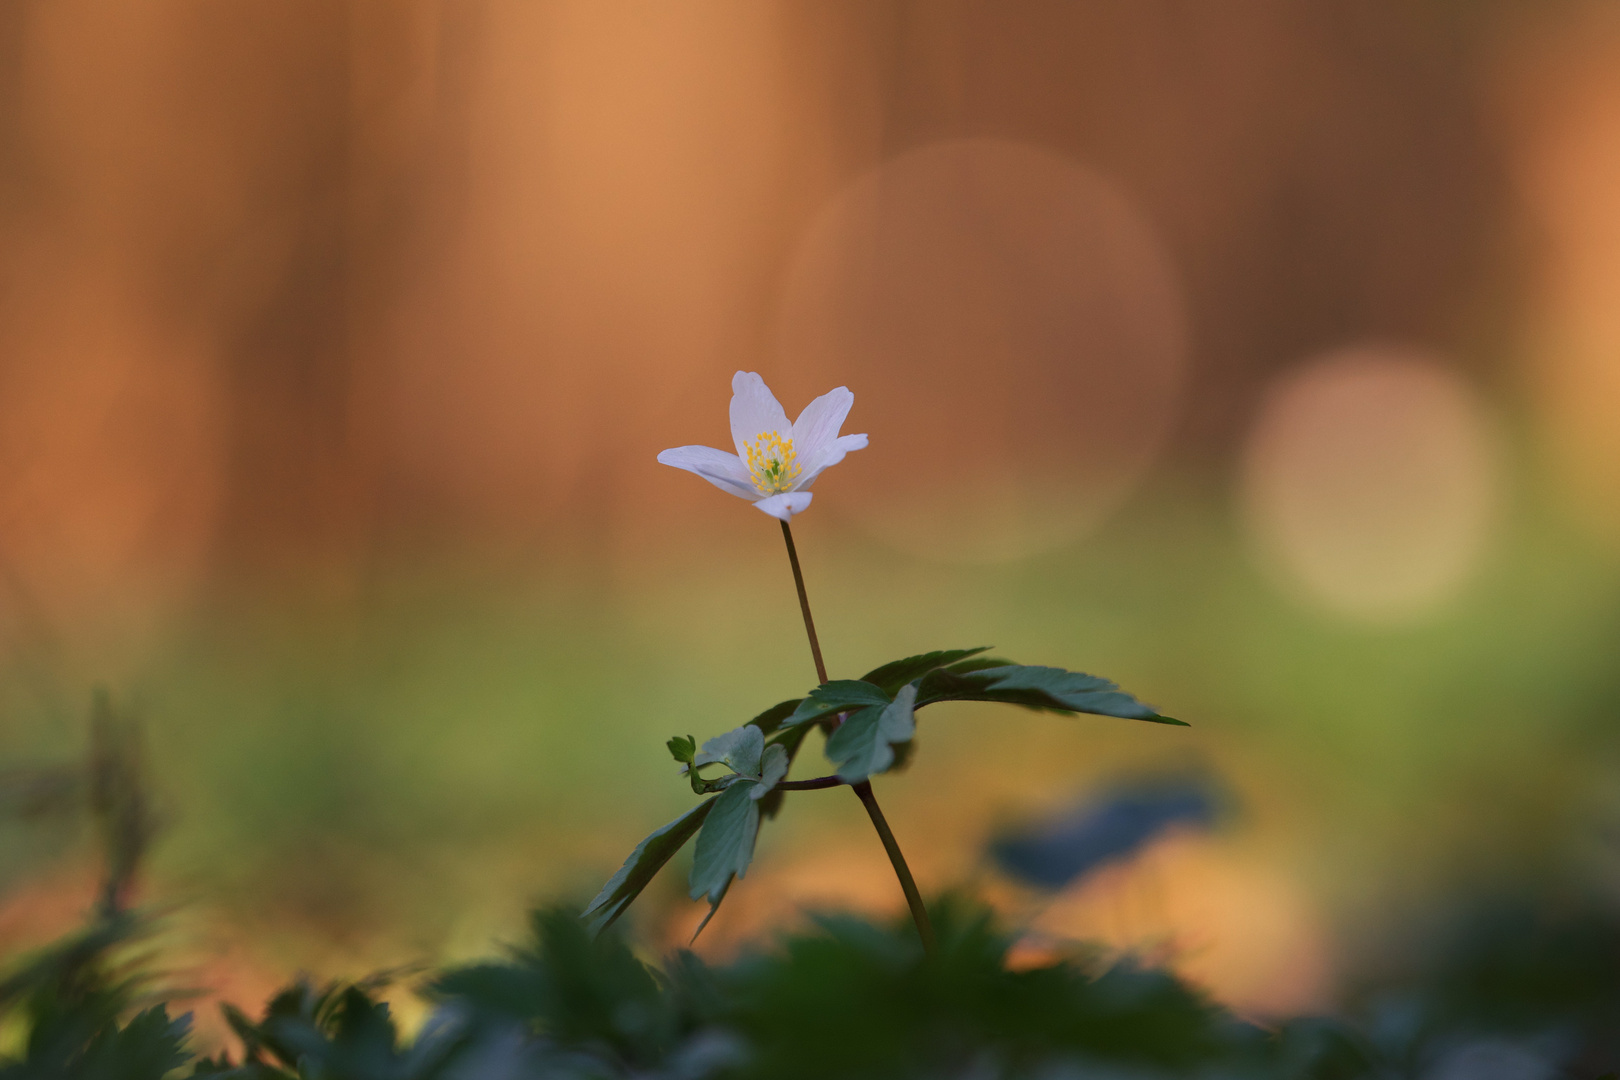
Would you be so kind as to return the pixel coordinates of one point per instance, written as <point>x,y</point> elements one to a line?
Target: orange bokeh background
<point>337,340</point>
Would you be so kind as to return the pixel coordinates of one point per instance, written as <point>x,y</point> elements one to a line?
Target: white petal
<point>785,505</point>
<point>818,425</point>
<point>830,457</point>
<point>754,411</point>
<point>725,471</point>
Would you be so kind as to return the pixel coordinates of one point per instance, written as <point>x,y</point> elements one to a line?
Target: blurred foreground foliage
<point>1511,991</point>
<point>847,998</point>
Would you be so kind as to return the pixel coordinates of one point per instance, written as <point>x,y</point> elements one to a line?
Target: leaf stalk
<point>810,785</point>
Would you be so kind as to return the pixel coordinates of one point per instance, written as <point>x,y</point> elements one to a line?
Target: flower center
<point>772,462</point>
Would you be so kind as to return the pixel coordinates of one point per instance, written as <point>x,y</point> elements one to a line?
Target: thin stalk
<point>810,785</point>
<point>863,790</point>
<point>804,603</point>
<point>908,885</point>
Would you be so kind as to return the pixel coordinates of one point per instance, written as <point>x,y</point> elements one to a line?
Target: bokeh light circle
<point>1014,333</point>
<point>1370,481</point>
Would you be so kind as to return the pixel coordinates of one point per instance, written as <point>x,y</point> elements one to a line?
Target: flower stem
<point>908,885</point>
<point>863,790</point>
<point>804,603</point>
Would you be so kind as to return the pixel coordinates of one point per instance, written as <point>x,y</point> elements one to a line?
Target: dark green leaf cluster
<point>1534,973</point>
<point>856,1000</point>
<point>79,1002</point>
<point>849,998</point>
<point>148,1047</point>
<point>339,1032</point>
<point>897,1013</point>
<point>869,722</point>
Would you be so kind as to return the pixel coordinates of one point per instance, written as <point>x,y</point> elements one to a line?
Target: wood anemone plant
<point>868,722</point>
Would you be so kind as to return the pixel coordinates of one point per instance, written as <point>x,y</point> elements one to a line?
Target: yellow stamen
<point>772,462</point>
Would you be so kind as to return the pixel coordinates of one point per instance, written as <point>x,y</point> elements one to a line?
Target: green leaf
<point>790,739</point>
<point>863,745</point>
<point>979,663</point>
<point>1036,688</point>
<point>682,748</point>
<point>772,767</point>
<point>895,674</point>
<point>839,695</point>
<point>771,719</point>
<point>644,862</point>
<point>726,845</point>
<point>147,1048</point>
<point>738,749</point>
<point>714,906</point>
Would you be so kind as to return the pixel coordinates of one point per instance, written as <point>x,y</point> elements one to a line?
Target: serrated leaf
<point>738,749</point>
<point>773,765</point>
<point>1036,688</point>
<point>643,864</point>
<point>863,745</point>
<point>790,739</point>
<point>771,719</point>
<point>726,845</point>
<point>839,695</point>
<point>714,906</point>
<point>149,1046</point>
<point>979,663</point>
<point>892,676</point>
<point>856,739</point>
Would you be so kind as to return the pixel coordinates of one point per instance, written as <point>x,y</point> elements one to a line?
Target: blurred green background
<point>1262,357</point>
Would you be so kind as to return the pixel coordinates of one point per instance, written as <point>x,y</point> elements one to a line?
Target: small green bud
<point>683,748</point>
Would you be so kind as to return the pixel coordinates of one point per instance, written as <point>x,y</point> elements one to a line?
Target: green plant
<point>868,722</point>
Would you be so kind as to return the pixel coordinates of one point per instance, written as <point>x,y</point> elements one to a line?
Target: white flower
<point>775,464</point>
